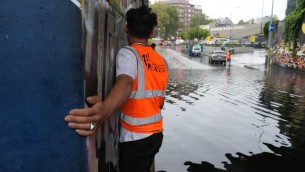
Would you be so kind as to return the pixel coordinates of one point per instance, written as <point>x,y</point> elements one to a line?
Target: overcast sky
<point>240,9</point>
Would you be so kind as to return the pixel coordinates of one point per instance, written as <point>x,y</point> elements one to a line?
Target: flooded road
<point>238,119</point>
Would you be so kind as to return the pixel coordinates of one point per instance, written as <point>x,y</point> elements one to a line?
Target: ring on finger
<point>92,126</point>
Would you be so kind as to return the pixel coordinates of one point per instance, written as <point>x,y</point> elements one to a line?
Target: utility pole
<point>269,36</point>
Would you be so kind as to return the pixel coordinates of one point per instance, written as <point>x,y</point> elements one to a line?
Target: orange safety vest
<point>228,55</point>
<point>142,111</point>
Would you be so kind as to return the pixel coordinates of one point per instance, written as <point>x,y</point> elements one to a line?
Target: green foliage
<point>199,19</point>
<point>291,6</point>
<point>168,19</point>
<point>241,22</point>
<point>266,27</point>
<point>183,35</point>
<point>292,25</point>
<point>196,32</point>
<point>204,33</point>
<point>251,21</point>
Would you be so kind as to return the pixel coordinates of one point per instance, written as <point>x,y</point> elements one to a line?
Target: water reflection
<point>285,94</point>
<point>282,160</point>
<point>233,119</point>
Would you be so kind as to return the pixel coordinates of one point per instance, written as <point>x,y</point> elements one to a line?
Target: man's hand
<point>82,119</point>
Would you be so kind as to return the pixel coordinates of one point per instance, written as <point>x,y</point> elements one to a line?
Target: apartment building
<point>186,11</point>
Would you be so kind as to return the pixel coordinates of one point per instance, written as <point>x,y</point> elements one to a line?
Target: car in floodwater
<point>217,56</point>
<point>195,50</point>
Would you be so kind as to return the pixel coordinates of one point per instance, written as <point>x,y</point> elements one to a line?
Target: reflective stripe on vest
<point>141,121</point>
<point>141,93</point>
<point>147,94</point>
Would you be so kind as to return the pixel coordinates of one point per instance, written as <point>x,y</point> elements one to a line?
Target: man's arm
<point>80,119</point>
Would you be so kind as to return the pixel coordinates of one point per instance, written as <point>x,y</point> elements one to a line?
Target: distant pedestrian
<point>228,57</point>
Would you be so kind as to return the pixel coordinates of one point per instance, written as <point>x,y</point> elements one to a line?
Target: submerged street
<point>239,118</point>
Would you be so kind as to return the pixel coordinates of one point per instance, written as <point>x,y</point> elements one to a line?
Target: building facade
<point>186,11</point>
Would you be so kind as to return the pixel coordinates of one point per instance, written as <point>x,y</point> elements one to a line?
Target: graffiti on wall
<point>103,36</point>
<point>282,55</point>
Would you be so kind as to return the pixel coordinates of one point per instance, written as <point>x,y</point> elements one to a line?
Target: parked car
<point>248,44</point>
<point>259,44</point>
<point>167,43</point>
<point>195,50</point>
<point>226,42</point>
<point>179,41</point>
<point>217,56</point>
<point>222,40</point>
<point>212,42</point>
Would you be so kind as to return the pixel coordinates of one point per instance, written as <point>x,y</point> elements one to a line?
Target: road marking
<point>76,3</point>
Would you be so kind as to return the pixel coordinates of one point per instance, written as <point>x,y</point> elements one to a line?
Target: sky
<point>241,9</point>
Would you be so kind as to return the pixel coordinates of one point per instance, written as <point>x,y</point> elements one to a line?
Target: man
<point>228,57</point>
<point>139,91</point>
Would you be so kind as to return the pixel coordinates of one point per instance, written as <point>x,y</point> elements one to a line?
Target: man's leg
<point>137,156</point>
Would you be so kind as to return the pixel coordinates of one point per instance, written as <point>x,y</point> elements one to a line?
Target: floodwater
<point>238,119</point>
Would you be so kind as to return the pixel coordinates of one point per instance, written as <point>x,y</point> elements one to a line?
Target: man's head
<point>141,22</point>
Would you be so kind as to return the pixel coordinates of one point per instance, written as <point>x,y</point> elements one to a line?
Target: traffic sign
<point>271,27</point>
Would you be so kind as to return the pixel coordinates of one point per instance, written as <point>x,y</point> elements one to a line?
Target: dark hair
<point>141,22</point>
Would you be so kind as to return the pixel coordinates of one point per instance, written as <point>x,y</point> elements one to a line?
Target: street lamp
<point>231,25</point>
<point>262,17</point>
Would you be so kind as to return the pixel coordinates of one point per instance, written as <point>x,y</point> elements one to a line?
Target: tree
<point>174,22</point>
<point>241,22</point>
<point>183,35</point>
<point>266,26</point>
<point>167,19</point>
<point>251,21</point>
<point>196,32</point>
<point>205,33</point>
<point>199,19</point>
